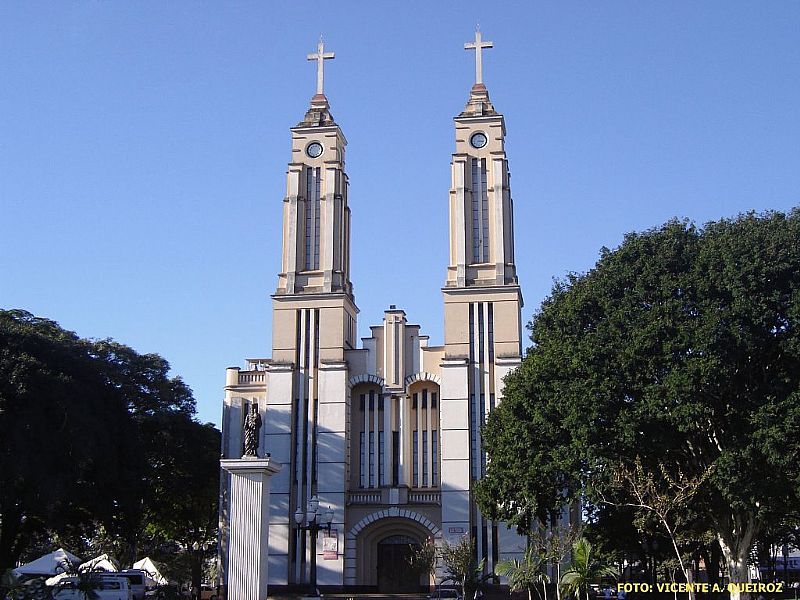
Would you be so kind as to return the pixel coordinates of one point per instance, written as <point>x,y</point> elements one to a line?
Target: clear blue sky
<point>143,148</point>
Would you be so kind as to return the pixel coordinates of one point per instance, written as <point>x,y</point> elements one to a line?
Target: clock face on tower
<point>314,149</point>
<point>478,140</point>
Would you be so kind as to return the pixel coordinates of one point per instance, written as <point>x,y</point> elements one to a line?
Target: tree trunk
<point>736,551</point>
<point>197,573</point>
<point>714,556</point>
<point>558,579</point>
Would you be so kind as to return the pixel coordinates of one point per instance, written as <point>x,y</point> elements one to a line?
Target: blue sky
<point>143,148</point>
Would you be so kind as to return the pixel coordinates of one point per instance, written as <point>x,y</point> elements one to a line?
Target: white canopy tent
<point>49,564</point>
<point>149,567</point>
<point>99,563</point>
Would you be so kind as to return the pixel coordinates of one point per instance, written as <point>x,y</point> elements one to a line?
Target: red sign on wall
<point>330,545</point>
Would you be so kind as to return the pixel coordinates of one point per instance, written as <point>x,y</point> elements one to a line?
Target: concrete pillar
<point>248,555</point>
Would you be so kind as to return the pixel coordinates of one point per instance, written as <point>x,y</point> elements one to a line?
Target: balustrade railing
<point>419,497</point>
<point>371,497</point>
<point>252,377</point>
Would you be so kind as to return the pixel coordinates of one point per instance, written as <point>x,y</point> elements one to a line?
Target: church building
<point>385,433</point>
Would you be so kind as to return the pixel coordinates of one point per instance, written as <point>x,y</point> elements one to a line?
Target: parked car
<point>137,578</point>
<point>103,588</point>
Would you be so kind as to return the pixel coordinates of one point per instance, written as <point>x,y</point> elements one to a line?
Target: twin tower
<point>386,435</point>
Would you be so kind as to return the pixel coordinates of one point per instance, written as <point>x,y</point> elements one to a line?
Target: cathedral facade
<point>385,433</point>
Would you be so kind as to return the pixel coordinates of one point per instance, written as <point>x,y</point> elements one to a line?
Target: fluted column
<point>249,527</point>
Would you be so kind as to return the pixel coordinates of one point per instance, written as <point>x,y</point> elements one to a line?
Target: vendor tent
<point>99,563</point>
<point>149,567</point>
<point>49,564</point>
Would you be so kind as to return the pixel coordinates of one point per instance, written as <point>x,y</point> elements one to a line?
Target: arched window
<point>423,426</point>
<point>370,436</point>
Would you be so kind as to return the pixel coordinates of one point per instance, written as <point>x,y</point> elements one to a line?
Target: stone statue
<point>252,425</point>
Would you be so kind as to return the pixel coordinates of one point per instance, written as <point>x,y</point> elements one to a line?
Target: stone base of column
<point>248,549</point>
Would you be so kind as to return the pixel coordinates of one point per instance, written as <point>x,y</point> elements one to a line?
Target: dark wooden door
<point>395,575</point>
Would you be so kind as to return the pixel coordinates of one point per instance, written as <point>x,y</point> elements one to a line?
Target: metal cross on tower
<point>478,46</point>
<point>320,56</point>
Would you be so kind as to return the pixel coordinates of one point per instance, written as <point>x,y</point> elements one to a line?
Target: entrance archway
<point>395,575</point>
<point>384,537</point>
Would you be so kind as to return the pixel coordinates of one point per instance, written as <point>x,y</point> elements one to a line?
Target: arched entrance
<point>395,575</point>
<point>377,548</point>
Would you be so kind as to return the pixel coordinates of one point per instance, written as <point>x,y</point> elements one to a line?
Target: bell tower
<point>313,326</point>
<point>482,308</point>
<point>316,218</point>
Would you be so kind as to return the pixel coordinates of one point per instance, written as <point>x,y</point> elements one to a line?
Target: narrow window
<point>415,454</point>
<point>312,218</point>
<point>381,458</point>
<point>476,212</point>
<point>361,471</point>
<point>480,332</point>
<point>484,213</point>
<point>371,459</point>
<point>480,211</point>
<point>471,332</point>
<point>491,331</point>
<point>424,458</point>
<point>395,458</point>
<point>317,210</point>
<point>435,457</point>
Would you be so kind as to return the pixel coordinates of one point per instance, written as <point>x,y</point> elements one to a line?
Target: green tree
<point>583,570</point>
<point>463,568</point>
<point>101,450</point>
<point>526,573</point>
<point>185,490</point>
<point>681,348</point>
<point>64,433</point>
<point>423,558</point>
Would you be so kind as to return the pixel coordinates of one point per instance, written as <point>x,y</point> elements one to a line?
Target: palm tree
<point>583,570</point>
<point>463,569</point>
<point>525,574</point>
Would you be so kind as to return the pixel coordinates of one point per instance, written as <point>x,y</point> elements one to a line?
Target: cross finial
<point>478,46</point>
<point>320,56</point>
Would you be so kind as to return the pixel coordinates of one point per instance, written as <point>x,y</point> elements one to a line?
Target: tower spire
<point>478,45</point>
<point>321,56</point>
<point>319,113</point>
<point>479,103</point>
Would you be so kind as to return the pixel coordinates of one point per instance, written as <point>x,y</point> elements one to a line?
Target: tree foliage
<point>100,448</point>
<point>680,349</point>
<point>584,569</point>
<point>526,573</point>
<point>463,568</point>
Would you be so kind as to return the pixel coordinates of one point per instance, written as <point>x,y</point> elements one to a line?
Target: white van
<point>137,579</point>
<point>103,588</point>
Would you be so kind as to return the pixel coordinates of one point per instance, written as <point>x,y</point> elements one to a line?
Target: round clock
<point>478,140</point>
<point>314,149</point>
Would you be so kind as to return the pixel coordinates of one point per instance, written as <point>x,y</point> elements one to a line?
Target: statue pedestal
<point>248,550</point>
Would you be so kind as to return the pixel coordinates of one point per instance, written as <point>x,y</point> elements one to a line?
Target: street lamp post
<point>312,521</point>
